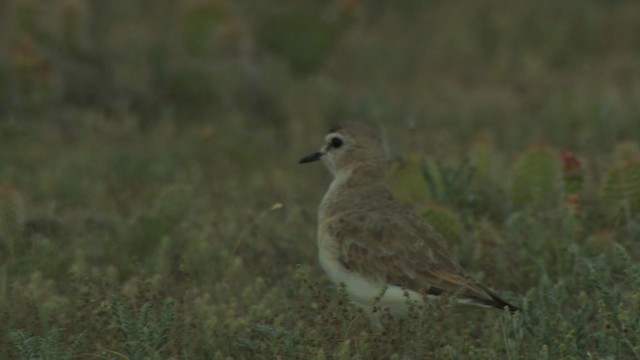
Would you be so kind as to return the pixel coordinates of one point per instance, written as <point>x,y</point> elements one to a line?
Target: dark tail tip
<point>511,308</point>
<point>501,304</point>
<point>498,303</point>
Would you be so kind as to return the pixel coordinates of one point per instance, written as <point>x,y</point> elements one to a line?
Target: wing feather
<point>396,246</point>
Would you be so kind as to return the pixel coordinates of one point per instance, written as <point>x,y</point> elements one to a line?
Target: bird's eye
<point>336,142</point>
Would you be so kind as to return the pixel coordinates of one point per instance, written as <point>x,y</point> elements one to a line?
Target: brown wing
<point>398,247</point>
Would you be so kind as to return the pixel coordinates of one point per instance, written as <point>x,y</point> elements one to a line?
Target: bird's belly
<point>362,290</point>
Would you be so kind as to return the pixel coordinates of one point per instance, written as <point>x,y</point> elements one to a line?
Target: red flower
<point>571,165</point>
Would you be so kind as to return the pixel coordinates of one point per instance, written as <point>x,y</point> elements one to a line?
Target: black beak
<point>313,157</point>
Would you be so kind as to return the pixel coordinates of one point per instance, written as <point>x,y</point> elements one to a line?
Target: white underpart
<point>364,291</point>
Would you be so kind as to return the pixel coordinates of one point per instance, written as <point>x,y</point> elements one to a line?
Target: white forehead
<point>331,136</point>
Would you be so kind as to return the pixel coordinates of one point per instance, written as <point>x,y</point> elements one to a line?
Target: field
<point>152,207</point>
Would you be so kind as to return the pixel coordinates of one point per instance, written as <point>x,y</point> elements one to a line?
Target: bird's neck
<point>361,176</point>
<point>352,184</point>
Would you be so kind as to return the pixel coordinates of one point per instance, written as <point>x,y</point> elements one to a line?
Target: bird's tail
<point>497,302</point>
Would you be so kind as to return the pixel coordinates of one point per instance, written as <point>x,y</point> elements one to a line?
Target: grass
<point>172,220</point>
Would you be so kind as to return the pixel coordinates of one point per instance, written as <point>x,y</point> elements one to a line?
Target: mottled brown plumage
<point>367,240</point>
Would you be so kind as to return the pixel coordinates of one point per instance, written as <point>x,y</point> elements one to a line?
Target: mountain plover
<point>375,245</point>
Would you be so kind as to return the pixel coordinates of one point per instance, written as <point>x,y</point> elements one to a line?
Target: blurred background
<point>148,175</point>
<point>546,68</point>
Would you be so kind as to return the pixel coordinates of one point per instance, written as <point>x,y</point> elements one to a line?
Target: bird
<point>382,251</point>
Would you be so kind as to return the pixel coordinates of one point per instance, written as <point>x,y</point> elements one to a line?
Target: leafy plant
<point>144,336</point>
<point>407,180</point>
<point>450,184</point>
<point>536,179</point>
<point>621,190</point>
<point>49,347</point>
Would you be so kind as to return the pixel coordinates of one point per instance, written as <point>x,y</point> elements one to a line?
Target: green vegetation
<point>151,206</point>
<point>536,179</point>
